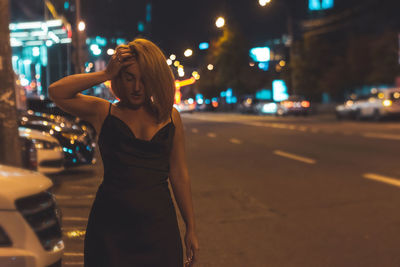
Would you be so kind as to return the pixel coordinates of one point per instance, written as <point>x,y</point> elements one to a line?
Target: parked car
<point>294,105</point>
<point>77,145</point>
<point>41,151</point>
<point>378,105</point>
<point>46,108</point>
<point>30,222</point>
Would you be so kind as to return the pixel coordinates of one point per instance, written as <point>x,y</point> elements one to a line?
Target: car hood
<point>17,183</point>
<point>36,134</point>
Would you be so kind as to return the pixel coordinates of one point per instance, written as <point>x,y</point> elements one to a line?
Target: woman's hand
<point>192,248</point>
<point>122,57</point>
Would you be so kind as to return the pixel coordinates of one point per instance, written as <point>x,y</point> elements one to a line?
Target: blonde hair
<point>157,77</point>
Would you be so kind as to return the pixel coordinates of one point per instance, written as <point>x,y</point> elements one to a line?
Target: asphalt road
<point>276,192</point>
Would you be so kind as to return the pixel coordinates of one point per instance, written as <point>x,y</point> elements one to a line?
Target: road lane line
<point>211,135</point>
<point>383,179</point>
<point>73,254</point>
<point>235,141</point>
<point>294,157</point>
<point>382,136</point>
<point>75,219</point>
<point>194,130</point>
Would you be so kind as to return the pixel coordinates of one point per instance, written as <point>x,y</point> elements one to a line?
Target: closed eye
<point>129,76</point>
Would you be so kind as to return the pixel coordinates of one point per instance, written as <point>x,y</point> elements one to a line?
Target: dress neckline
<point>133,134</point>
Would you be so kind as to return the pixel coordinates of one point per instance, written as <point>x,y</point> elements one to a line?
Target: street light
<point>110,51</point>
<point>81,26</point>
<point>172,57</point>
<point>188,52</point>
<point>210,67</point>
<point>220,22</point>
<point>264,2</point>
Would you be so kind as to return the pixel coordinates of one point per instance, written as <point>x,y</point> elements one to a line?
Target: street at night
<point>271,191</point>
<point>147,133</point>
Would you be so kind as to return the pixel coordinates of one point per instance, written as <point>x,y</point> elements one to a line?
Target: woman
<point>141,140</point>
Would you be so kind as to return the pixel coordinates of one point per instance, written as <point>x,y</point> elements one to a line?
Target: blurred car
<point>265,107</point>
<point>76,143</point>
<point>378,105</point>
<point>186,106</point>
<point>346,110</point>
<point>30,221</point>
<point>207,104</point>
<point>247,104</point>
<point>294,105</point>
<point>42,152</point>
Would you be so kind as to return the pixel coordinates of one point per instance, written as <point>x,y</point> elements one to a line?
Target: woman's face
<point>133,84</point>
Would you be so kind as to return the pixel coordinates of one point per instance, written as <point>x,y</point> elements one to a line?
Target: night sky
<point>176,24</point>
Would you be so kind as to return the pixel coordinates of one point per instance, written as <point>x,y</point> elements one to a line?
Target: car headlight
<point>387,103</point>
<point>4,239</point>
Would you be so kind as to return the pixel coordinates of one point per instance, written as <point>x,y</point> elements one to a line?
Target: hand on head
<point>122,57</point>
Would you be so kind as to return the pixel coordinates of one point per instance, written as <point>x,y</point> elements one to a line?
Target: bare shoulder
<point>176,117</point>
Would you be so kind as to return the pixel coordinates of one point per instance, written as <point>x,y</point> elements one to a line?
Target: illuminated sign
<point>260,54</point>
<point>279,90</point>
<point>204,46</point>
<point>320,4</point>
<point>182,83</point>
<point>264,94</point>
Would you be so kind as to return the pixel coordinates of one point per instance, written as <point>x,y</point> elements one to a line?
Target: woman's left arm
<point>181,187</point>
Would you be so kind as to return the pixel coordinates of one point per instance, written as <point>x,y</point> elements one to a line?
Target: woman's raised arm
<point>66,92</point>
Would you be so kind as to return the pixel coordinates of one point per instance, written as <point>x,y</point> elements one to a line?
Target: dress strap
<point>171,116</point>
<point>109,109</point>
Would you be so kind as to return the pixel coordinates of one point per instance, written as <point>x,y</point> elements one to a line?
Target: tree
<point>230,57</point>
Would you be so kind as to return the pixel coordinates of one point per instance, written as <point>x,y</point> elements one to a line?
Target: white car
<point>379,104</point>
<point>30,222</point>
<point>45,153</point>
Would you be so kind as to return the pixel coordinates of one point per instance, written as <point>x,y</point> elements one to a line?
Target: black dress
<point>133,221</point>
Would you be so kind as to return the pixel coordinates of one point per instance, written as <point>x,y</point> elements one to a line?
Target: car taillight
<point>288,104</point>
<point>305,104</point>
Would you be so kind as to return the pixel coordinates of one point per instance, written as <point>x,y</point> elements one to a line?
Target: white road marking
<point>383,179</point>
<point>294,157</point>
<point>74,197</point>
<point>235,141</point>
<point>382,136</point>
<point>73,254</point>
<point>75,219</point>
<point>195,130</point>
<point>74,263</point>
<point>211,135</point>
